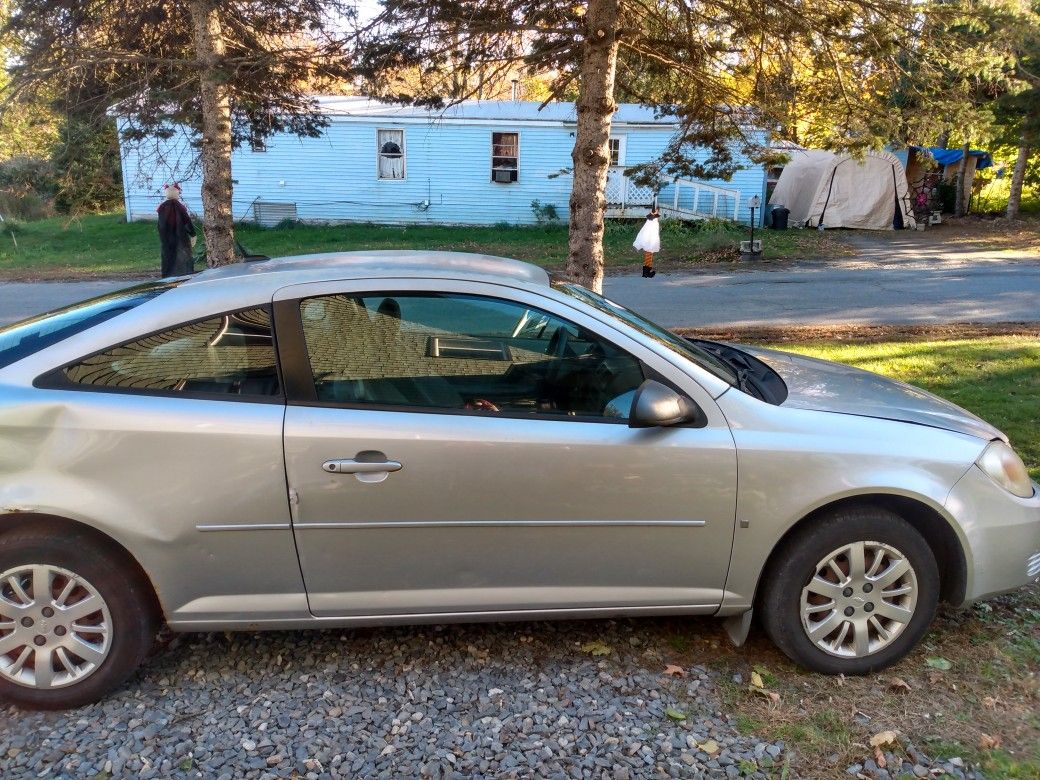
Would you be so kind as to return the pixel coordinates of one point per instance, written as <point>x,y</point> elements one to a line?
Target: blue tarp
<point>953,156</point>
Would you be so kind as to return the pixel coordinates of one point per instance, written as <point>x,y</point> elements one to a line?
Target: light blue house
<point>481,162</point>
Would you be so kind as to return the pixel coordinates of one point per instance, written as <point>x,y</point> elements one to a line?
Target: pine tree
<point>229,70</point>
<point>726,70</point>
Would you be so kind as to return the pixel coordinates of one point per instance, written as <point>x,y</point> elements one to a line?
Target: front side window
<point>391,153</point>
<point>505,157</point>
<point>463,352</point>
<point>614,144</point>
<point>230,354</point>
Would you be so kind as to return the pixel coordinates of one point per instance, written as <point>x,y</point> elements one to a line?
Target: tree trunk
<point>217,217</point>
<point>961,203</point>
<point>1015,198</point>
<point>591,155</point>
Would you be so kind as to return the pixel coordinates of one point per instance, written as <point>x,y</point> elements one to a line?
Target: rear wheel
<point>852,593</point>
<point>75,620</point>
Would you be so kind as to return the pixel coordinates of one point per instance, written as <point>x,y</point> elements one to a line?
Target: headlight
<point>1005,468</point>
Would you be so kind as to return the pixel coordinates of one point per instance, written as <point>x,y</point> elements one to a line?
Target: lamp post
<point>754,204</point>
<point>751,254</point>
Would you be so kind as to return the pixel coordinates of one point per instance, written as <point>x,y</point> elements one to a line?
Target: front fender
<point>794,463</point>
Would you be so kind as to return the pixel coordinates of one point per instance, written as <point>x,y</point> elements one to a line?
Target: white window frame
<point>404,153</point>
<point>257,142</point>
<point>622,141</point>
<point>493,155</point>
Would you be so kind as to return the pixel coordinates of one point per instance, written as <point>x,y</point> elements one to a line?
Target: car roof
<point>374,264</point>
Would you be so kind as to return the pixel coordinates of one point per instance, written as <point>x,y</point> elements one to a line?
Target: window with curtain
<point>390,144</point>
<point>505,157</point>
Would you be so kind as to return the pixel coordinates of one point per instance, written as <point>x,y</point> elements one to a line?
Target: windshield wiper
<point>739,365</point>
<point>742,380</point>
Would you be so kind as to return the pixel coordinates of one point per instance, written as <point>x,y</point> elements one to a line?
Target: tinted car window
<point>230,354</point>
<point>465,352</point>
<point>29,336</point>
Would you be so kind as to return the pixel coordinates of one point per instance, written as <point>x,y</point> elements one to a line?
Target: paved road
<point>856,293</point>
<point>826,295</point>
<point>24,299</point>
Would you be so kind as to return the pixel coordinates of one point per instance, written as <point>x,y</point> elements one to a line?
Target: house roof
<point>484,110</point>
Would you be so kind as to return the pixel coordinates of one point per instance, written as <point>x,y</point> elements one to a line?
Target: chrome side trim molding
<point>501,523</point>
<point>245,527</point>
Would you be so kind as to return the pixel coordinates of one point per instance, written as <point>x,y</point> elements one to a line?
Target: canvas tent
<point>838,190</point>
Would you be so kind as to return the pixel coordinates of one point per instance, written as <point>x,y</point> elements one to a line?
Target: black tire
<point>125,592</point>
<point>793,565</point>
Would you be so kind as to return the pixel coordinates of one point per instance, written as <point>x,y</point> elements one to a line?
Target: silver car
<point>374,438</point>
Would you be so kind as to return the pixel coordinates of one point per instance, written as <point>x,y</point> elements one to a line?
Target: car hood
<point>832,387</point>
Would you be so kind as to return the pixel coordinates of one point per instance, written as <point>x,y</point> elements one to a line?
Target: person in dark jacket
<point>176,234</point>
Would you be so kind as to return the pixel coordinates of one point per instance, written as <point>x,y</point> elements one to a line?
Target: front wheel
<point>852,593</point>
<point>75,619</point>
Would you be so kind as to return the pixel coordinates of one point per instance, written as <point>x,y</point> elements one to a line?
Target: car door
<point>462,448</point>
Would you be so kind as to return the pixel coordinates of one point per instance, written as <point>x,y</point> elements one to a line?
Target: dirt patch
<point>995,232</point>
<point>866,334</point>
<point>970,690</point>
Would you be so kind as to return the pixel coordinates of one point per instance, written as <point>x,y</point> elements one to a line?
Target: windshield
<point>30,336</point>
<point>662,336</point>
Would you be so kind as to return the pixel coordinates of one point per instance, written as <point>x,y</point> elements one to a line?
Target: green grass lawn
<point>997,378</point>
<point>105,244</point>
<point>991,692</point>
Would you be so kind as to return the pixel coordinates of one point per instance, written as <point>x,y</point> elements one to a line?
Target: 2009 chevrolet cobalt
<point>372,438</point>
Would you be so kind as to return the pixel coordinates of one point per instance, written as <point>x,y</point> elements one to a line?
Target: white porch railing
<point>690,199</point>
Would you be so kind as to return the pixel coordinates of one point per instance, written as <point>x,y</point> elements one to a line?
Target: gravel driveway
<point>516,700</point>
<point>585,699</point>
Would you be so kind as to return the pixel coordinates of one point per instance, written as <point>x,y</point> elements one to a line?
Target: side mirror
<point>656,405</point>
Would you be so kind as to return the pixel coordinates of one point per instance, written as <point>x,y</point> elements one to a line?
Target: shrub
<point>545,213</point>
<point>24,206</point>
<point>28,174</point>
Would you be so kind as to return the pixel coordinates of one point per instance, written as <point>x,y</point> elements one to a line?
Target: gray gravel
<point>463,701</point>
<point>502,701</point>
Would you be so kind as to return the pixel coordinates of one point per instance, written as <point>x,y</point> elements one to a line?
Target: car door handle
<point>350,466</point>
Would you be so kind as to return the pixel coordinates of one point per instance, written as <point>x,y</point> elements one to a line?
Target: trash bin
<point>779,217</point>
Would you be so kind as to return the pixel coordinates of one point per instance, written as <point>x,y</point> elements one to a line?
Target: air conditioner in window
<point>503,176</point>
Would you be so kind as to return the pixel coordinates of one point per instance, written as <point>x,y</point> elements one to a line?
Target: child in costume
<point>649,241</point>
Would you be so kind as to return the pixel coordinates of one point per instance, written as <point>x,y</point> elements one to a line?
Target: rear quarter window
<point>28,337</point>
<point>226,355</point>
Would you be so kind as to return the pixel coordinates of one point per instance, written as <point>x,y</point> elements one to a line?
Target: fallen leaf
<point>771,695</point>
<point>899,684</point>
<point>935,677</point>
<point>674,671</point>
<point>883,738</point>
<point>989,702</point>
<point>879,757</point>
<point>940,663</point>
<point>710,747</point>
<point>675,714</point>
<point>756,680</point>
<point>986,742</point>
<point>596,648</point>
